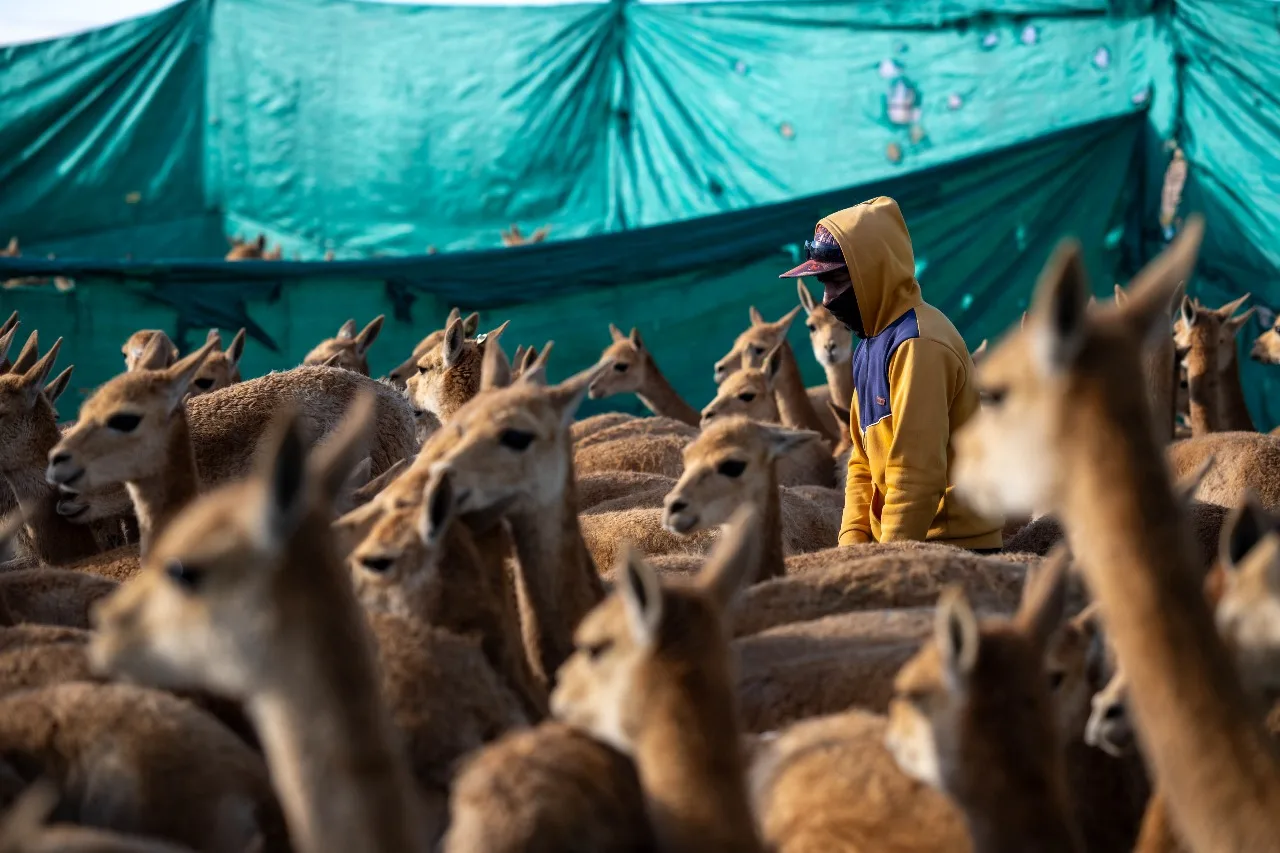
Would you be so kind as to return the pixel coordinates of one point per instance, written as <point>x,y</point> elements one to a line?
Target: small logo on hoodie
<point>881,401</point>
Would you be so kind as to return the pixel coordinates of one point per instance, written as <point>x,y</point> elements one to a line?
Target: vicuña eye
<point>747,396</point>
<point>377,565</point>
<point>185,576</point>
<point>621,367</point>
<point>204,383</point>
<point>992,396</point>
<point>731,467</point>
<point>516,439</point>
<point>124,422</point>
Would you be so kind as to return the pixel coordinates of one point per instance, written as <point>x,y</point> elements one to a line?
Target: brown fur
<point>138,344</point>
<point>840,580</point>
<point>421,563</point>
<point>651,674</point>
<point>750,349</point>
<point>449,375</point>
<point>136,760</point>
<point>242,250</point>
<point>602,491</point>
<point>547,790</point>
<point>830,784</point>
<point>735,462</point>
<point>348,349</point>
<point>510,453</point>
<point>1242,462</point>
<point>972,716</point>
<point>588,426</point>
<point>634,428</point>
<point>28,430</point>
<point>1207,339</point>
<point>1064,386</point>
<point>265,611</point>
<point>52,596</point>
<point>634,371</point>
<point>833,348</point>
<point>221,367</point>
<point>400,375</point>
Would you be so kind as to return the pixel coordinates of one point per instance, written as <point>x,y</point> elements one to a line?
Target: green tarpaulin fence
<point>678,153</point>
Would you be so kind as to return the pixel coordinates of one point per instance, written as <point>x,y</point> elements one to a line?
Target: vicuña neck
<point>840,381</point>
<point>484,605</point>
<point>661,398</point>
<point>1204,395</point>
<point>773,562</point>
<point>334,761</point>
<point>1235,413</point>
<point>157,499</point>
<point>690,763</point>
<point>559,580</point>
<point>1207,748</point>
<point>794,404</point>
<point>51,538</point>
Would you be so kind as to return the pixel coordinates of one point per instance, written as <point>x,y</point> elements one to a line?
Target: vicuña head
<point>396,569</point>
<point>28,423</point>
<point>1248,607</point>
<point>748,392</point>
<point>751,347</point>
<point>212,606</point>
<point>1266,348</point>
<point>832,341</point>
<point>510,445</point>
<point>449,375</point>
<point>138,344</point>
<point>220,368</point>
<point>123,431</point>
<point>1036,378</point>
<point>630,362</point>
<point>731,463</point>
<point>972,715</point>
<point>348,349</point>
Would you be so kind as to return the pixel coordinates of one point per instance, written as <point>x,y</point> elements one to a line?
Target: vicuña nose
<point>59,458</point>
<point>678,505</point>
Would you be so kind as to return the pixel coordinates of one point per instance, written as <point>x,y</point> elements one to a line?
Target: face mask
<point>845,308</point>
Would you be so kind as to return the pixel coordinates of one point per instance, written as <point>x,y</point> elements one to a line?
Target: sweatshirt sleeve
<point>924,378</point>
<point>855,523</point>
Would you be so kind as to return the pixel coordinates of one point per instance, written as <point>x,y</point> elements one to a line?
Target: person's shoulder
<point>934,326</point>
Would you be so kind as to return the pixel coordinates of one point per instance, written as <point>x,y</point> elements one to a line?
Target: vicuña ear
<point>773,363</point>
<point>757,319</point>
<point>1244,528</point>
<point>33,380</point>
<point>369,334</point>
<point>616,334</point>
<point>6,341</point>
<point>471,324</point>
<point>787,319</point>
<point>495,369</point>
<point>346,331</point>
<point>1153,287</point>
<point>1058,312</point>
<point>641,597</point>
<point>236,351</point>
<point>806,298</point>
<point>179,376</point>
<point>29,354</point>
<point>956,632</point>
<point>782,441</point>
<point>451,346</point>
<point>54,388</point>
<point>1234,305</point>
<point>214,337</point>
<point>438,506</point>
<point>286,480</point>
<point>1044,597</point>
<point>569,394</point>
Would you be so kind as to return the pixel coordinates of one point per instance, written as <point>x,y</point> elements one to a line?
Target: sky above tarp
<point>23,21</point>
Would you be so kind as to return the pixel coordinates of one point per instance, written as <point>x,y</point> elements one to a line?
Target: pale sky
<point>36,20</point>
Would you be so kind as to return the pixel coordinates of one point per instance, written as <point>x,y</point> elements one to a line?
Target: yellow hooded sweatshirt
<point>912,389</point>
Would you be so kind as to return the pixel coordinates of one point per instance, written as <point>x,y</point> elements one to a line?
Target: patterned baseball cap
<point>822,254</point>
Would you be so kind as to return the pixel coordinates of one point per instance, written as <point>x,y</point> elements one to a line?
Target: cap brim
<point>812,268</point>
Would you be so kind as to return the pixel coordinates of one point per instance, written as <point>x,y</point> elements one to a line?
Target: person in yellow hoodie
<point>912,384</point>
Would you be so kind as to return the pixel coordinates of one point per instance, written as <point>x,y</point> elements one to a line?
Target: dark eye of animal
<point>812,327</point>
<point>187,577</point>
<point>377,565</point>
<point>1056,679</point>
<point>620,367</point>
<point>731,467</point>
<point>124,422</point>
<point>516,439</point>
<point>755,350</point>
<point>596,650</point>
<point>204,383</point>
<point>422,368</point>
<point>991,396</point>
<point>747,396</point>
